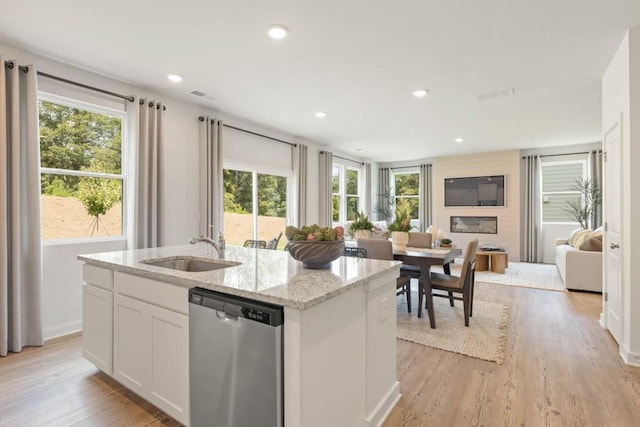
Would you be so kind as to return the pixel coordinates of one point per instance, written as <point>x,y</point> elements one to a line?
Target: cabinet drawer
<point>166,295</point>
<point>96,276</point>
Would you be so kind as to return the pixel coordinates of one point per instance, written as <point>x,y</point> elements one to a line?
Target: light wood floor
<point>561,369</point>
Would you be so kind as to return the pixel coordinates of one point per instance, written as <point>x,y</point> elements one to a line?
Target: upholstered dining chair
<point>260,244</point>
<point>416,240</point>
<point>462,284</point>
<point>383,249</point>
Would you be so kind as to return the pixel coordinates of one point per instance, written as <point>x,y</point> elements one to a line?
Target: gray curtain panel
<point>300,184</point>
<point>384,189</point>
<point>366,196</point>
<point>211,176</point>
<point>426,196</point>
<point>531,242</point>
<point>325,192</point>
<point>150,140</point>
<point>20,230</point>
<point>595,164</point>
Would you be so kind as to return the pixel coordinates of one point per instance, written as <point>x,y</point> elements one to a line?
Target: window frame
<point>342,190</point>
<point>124,165</point>
<point>543,193</point>
<point>255,170</point>
<point>405,171</point>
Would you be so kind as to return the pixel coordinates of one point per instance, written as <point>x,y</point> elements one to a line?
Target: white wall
<point>493,163</point>
<point>179,198</point>
<point>620,94</point>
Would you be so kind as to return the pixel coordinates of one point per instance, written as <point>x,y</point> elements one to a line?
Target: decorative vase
<point>316,254</point>
<point>363,234</point>
<point>399,239</point>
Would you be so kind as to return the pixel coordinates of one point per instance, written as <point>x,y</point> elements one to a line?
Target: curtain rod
<point>564,154</point>
<point>410,166</point>
<point>344,158</point>
<point>10,65</point>
<point>201,118</point>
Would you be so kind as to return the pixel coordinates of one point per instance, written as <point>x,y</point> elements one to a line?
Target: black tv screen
<point>474,191</point>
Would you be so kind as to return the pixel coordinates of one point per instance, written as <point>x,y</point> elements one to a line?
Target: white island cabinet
<point>339,328</point>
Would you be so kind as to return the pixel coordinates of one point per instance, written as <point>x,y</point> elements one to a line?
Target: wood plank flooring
<point>561,369</point>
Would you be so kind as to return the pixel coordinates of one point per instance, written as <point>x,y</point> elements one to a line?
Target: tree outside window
<point>407,192</point>
<point>346,192</point>
<point>81,170</point>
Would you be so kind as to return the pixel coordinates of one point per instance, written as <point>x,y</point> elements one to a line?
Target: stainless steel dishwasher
<point>235,361</point>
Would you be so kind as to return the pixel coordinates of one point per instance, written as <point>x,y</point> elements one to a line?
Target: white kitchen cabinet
<point>151,348</point>
<point>97,317</point>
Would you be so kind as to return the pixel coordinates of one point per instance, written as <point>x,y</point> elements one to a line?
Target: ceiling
<point>359,61</point>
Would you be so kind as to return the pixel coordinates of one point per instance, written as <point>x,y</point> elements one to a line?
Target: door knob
<point>614,246</point>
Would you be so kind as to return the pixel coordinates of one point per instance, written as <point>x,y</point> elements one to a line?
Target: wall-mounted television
<point>474,191</point>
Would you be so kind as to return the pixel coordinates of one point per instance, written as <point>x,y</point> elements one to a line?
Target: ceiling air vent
<point>197,93</point>
<point>496,95</point>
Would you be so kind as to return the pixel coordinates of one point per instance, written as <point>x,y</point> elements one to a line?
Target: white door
<point>613,219</point>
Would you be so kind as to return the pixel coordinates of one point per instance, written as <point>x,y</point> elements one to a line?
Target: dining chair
<point>416,240</point>
<point>383,249</point>
<point>355,252</point>
<point>260,244</point>
<point>273,243</point>
<point>462,284</point>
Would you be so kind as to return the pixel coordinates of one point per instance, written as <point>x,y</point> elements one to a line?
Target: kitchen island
<point>339,327</point>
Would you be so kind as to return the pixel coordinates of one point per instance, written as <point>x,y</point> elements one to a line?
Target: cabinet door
<point>97,325</point>
<point>131,352</point>
<point>169,386</point>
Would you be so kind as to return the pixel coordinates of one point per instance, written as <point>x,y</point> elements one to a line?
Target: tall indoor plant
<point>582,209</point>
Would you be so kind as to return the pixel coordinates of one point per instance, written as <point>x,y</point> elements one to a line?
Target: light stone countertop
<point>264,275</point>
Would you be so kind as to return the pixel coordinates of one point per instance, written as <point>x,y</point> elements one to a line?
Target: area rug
<point>485,337</point>
<point>523,274</point>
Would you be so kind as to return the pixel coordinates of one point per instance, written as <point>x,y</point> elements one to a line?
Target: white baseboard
<point>60,330</point>
<point>630,358</point>
<point>385,406</point>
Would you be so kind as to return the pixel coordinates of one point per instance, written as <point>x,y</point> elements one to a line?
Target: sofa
<point>579,261</point>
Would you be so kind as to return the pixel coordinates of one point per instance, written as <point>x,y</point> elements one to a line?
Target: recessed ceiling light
<point>176,78</point>
<point>321,114</point>
<point>277,31</point>
<point>420,93</point>
<point>459,140</point>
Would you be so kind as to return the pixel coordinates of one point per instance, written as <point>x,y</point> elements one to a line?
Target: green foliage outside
<point>77,140</point>
<point>238,193</point>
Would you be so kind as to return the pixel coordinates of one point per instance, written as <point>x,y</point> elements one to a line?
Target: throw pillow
<point>572,236</point>
<point>592,244</point>
<point>580,237</point>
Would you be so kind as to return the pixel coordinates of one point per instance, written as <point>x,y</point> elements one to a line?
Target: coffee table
<point>497,261</point>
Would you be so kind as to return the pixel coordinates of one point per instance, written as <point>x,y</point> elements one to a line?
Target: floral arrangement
<point>313,233</point>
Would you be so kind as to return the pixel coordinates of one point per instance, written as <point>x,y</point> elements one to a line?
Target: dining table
<point>424,258</point>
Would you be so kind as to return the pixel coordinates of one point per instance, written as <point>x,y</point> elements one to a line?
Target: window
<point>255,205</point>
<point>407,192</point>
<point>346,192</point>
<point>81,172</point>
<point>558,178</point>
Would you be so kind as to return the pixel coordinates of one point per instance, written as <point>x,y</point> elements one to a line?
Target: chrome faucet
<point>219,246</point>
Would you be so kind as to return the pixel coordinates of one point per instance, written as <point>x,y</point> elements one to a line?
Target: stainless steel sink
<point>191,264</point>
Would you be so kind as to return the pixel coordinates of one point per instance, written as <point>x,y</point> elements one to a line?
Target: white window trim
<point>405,171</point>
<point>342,190</point>
<point>255,170</point>
<point>122,115</point>
<point>585,175</point>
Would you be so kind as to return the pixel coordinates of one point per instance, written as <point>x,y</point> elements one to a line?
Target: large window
<point>406,187</point>
<point>346,192</point>
<point>82,177</point>
<point>558,178</point>
<point>255,205</point>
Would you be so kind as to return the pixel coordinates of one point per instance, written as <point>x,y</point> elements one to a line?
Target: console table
<point>497,261</point>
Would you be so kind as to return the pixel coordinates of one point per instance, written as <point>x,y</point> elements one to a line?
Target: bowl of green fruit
<point>315,246</point>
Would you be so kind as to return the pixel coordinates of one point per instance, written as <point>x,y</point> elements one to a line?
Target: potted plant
<point>400,228</point>
<point>360,227</point>
<point>582,208</point>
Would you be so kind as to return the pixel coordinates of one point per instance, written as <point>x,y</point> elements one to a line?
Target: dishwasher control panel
<point>233,305</point>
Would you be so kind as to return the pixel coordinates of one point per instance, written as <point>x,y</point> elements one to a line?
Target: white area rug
<point>485,337</point>
<point>524,274</point>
